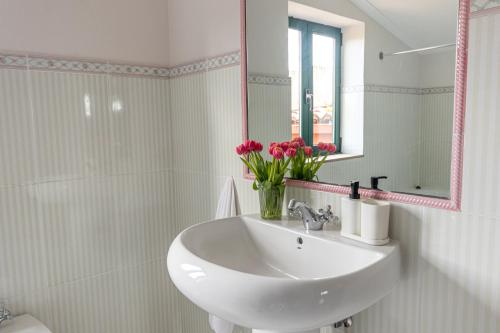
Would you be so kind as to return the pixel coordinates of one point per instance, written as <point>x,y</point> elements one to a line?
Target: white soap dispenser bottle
<point>351,212</point>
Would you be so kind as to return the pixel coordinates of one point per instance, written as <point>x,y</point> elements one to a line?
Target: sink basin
<point>278,277</point>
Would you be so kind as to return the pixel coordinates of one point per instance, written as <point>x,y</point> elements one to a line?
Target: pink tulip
<point>300,141</point>
<point>291,152</point>
<point>249,145</point>
<point>331,148</point>
<point>285,145</point>
<point>272,145</point>
<point>308,151</point>
<point>258,147</point>
<point>277,153</point>
<point>322,146</point>
<point>241,150</point>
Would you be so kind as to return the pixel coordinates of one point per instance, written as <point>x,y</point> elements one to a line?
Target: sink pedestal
<point>265,331</point>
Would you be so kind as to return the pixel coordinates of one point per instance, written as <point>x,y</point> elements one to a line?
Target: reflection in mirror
<point>376,78</point>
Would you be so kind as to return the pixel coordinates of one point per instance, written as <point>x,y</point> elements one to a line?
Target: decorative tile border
<point>478,5</point>
<point>390,89</point>
<point>276,80</point>
<point>437,90</point>
<point>7,60</point>
<point>138,70</point>
<point>60,64</point>
<point>224,60</point>
<point>103,67</point>
<point>217,62</point>
<point>396,90</point>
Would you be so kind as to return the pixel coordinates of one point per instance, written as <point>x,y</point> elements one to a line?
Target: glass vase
<point>271,201</point>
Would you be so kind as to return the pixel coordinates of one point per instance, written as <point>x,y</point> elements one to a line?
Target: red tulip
<point>308,151</point>
<point>277,153</point>
<point>241,150</point>
<point>300,141</point>
<point>291,152</point>
<point>272,145</point>
<point>258,147</point>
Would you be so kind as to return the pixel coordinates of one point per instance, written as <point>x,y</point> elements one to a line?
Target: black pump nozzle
<point>374,182</point>
<point>354,191</point>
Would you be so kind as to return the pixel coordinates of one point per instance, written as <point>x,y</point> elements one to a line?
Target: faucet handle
<point>326,210</point>
<point>326,213</point>
<point>4,313</point>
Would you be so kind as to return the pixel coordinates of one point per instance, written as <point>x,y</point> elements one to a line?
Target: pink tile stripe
<point>454,203</point>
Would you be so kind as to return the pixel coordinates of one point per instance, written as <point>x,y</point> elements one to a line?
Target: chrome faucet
<point>312,220</point>
<point>4,314</point>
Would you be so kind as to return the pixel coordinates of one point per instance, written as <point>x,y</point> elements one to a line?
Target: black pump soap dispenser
<point>354,191</point>
<point>374,182</point>
<point>351,212</point>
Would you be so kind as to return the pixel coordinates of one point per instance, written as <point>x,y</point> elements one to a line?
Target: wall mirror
<point>382,79</point>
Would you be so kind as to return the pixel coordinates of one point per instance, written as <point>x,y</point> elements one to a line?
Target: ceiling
<point>417,23</point>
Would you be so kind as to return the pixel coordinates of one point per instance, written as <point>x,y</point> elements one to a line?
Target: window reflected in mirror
<point>378,82</point>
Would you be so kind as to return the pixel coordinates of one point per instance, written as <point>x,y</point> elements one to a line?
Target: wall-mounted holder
<point>366,221</point>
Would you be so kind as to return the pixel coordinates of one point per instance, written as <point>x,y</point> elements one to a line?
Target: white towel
<point>228,201</point>
<point>220,325</point>
<point>228,206</point>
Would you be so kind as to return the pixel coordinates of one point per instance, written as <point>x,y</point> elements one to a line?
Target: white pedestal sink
<point>273,276</point>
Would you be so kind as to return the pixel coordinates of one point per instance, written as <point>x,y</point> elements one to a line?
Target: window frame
<point>307,29</point>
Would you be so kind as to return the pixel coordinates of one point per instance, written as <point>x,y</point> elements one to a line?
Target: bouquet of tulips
<point>269,175</point>
<point>306,163</point>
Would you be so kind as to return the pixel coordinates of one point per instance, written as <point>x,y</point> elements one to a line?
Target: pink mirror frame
<point>454,203</point>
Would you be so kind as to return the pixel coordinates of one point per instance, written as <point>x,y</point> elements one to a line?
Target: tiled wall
<point>436,123</point>
<point>387,116</point>
<point>421,121</point>
<point>86,197</point>
<point>269,102</point>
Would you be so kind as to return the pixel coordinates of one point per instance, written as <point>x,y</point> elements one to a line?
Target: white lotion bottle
<point>351,212</point>
<point>375,221</point>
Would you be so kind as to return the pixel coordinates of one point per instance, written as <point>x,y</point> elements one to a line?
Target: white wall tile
<point>81,227</point>
<point>482,124</point>
<point>194,199</point>
<point>16,129</point>
<point>269,119</point>
<point>459,268</point>
<point>90,305</point>
<point>35,303</point>
<point>22,264</point>
<point>387,116</point>
<point>149,299</point>
<point>144,215</point>
<point>71,124</point>
<point>140,124</point>
<point>134,299</point>
<point>189,113</point>
<point>436,132</point>
<point>224,120</point>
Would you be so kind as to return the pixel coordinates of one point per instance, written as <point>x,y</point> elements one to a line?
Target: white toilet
<point>23,324</point>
